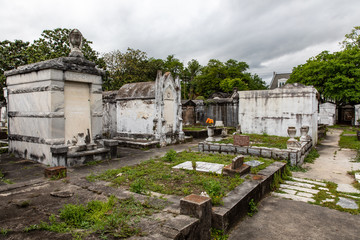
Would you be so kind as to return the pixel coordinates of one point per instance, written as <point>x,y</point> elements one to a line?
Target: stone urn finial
<point>76,42</point>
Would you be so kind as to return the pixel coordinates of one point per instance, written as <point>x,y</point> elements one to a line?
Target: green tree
<point>336,76</point>
<point>218,76</point>
<point>174,66</point>
<point>190,72</point>
<point>154,66</point>
<point>256,83</point>
<point>228,84</point>
<point>131,66</point>
<point>12,55</point>
<point>209,80</point>
<point>352,39</point>
<point>51,44</point>
<point>55,43</point>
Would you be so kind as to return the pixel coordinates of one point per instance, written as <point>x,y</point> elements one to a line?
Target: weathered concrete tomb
<point>55,109</point>
<point>327,114</point>
<point>273,111</point>
<point>148,111</point>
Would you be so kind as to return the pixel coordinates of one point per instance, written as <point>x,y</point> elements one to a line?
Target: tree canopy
<point>133,65</point>
<point>335,75</point>
<point>218,76</point>
<point>51,44</point>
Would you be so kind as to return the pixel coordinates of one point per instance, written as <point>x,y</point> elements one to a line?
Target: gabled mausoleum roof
<point>139,90</point>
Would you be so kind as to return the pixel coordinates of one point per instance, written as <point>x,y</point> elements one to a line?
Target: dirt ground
<point>31,198</point>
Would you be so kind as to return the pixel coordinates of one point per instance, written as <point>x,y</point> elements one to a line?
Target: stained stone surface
<point>299,184</point>
<point>309,181</point>
<point>357,177</point>
<point>347,203</point>
<point>201,167</point>
<point>253,163</point>
<point>293,197</point>
<point>343,187</point>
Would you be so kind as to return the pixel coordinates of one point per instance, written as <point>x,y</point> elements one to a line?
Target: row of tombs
<point>58,114</point>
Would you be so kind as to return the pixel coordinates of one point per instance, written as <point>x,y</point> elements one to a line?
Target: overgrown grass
<point>342,127</point>
<point>115,218</point>
<point>349,142</point>
<point>4,231</point>
<point>262,140</point>
<point>252,208</point>
<point>194,128</point>
<point>157,175</point>
<point>313,154</point>
<point>3,179</point>
<point>217,234</point>
<point>334,194</point>
<point>266,163</point>
<point>297,168</point>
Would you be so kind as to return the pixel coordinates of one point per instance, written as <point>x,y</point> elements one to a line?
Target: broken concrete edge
<point>236,203</point>
<point>242,170</point>
<point>294,156</point>
<point>57,172</point>
<point>199,207</point>
<point>13,186</point>
<point>137,144</point>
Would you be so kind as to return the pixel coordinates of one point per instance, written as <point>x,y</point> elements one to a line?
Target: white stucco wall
<point>273,111</point>
<point>36,106</point>
<point>357,114</point>
<point>135,116</point>
<point>327,113</point>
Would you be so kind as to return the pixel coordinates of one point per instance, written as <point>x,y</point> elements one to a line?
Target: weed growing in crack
<point>252,208</point>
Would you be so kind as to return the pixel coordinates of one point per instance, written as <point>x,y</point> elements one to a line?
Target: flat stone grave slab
<point>253,163</point>
<point>357,177</point>
<point>347,203</point>
<point>201,167</point>
<point>347,188</point>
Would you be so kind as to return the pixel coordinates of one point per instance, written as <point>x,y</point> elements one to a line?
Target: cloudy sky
<point>268,35</point>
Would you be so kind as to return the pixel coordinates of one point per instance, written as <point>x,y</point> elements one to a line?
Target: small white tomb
<point>150,110</point>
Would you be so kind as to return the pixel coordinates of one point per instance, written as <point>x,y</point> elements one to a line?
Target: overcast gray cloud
<point>268,35</point>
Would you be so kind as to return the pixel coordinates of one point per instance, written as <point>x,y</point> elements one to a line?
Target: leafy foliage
<point>157,175</point>
<point>252,208</point>
<point>335,75</point>
<point>114,218</point>
<point>51,44</point>
<point>218,76</point>
<point>131,66</point>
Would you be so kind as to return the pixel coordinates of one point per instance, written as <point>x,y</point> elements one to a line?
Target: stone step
<point>302,189</point>
<point>304,194</point>
<point>299,184</point>
<point>293,197</point>
<point>309,181</point>
<point>347,188</point>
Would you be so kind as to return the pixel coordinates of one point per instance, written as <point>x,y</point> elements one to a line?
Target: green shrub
<point>213,188</point>
<point>170,156</point>
<point>252,208</point>
<point>73,214</point>
<point>138,186</point>
<point>313,154</point>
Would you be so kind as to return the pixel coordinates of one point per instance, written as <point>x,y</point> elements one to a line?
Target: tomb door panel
<point>169,109</point>
<point>77,110</point>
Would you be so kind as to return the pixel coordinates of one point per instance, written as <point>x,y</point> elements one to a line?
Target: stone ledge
<point>236,203</point>
<point>294,156</point>
<point>75,64</point>
<point>132,143</point>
